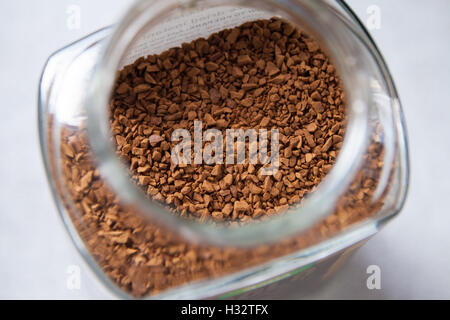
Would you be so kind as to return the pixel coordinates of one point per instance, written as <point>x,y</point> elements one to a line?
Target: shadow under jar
<point>140,248</point>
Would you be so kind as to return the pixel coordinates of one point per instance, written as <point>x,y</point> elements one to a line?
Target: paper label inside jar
<point>188,26</point>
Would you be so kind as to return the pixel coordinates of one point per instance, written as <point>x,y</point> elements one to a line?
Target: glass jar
<point>126,239</point>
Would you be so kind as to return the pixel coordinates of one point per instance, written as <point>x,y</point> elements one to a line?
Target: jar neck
<point>340,40</point>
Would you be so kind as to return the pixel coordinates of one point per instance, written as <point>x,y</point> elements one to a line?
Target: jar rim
<point>316,205</point>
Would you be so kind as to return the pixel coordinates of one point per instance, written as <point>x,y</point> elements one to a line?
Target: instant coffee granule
<point>263,74</point>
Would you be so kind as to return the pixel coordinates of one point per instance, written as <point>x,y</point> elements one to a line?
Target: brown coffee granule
<point>263,74</point>
<point>143,258</point>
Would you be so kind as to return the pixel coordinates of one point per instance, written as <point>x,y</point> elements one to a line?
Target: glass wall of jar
<point>136,246</point>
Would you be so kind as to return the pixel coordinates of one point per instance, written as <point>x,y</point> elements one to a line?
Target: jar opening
<point>152,27</point>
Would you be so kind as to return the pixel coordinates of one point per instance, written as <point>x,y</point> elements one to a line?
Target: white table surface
<point>413,251</point>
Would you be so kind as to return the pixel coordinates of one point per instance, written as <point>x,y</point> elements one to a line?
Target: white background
<point>413,251</point>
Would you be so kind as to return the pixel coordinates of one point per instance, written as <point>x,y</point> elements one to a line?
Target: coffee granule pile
<point>263,74</point>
